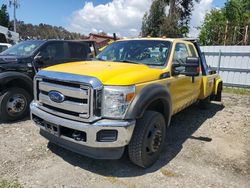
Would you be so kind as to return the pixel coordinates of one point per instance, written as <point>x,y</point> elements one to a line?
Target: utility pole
<point>246,35</point>
<point>225,37</point>
<point>15,5</point>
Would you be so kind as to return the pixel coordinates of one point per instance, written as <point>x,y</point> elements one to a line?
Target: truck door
<point>184,90</point>
<point>196,84</point>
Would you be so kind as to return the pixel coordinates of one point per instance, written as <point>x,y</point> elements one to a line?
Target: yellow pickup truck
<point>125,97</point>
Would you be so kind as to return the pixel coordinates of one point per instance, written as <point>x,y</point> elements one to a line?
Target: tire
<point>14,104</point>
<point>219,93</point>
<point>148,139</point>
<point>218,96</point>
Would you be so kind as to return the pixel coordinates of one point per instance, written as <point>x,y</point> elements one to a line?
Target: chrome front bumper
<point>124,129</point>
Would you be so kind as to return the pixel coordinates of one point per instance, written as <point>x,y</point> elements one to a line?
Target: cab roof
<point>160,38</point>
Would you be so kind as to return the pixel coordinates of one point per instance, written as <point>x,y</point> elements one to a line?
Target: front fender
<point>218,86</point>
<point>147,96</point>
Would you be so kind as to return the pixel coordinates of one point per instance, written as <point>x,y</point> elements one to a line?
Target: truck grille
<point>77,102</point>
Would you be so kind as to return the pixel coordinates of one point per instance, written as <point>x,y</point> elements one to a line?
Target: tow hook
<point>78,136</point>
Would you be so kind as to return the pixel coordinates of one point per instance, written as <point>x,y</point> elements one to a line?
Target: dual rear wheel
<point>14,104</point>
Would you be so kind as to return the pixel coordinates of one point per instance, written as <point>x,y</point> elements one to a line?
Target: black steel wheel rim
<point>153,139</point>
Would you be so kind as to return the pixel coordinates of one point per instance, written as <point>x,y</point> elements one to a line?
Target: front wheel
<point>14,104</point>
<point>148,139</point>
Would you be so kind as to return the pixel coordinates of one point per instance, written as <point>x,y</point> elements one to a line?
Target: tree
<point>212,30</point>
<point>228,25</point>
<point>170,26</point>
<point>168,17</point>
<point>4,16</point>
<point>45,31</point>
<point>153,21</point>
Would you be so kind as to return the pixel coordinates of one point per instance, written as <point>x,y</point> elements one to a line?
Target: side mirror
<point>91,55</point>
<point>190,68</point>
<point>176,65</point>
<point>39,59</point>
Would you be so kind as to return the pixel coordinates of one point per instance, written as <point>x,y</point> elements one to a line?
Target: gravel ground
<point>205,148</point>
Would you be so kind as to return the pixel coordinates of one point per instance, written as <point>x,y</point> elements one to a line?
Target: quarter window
<point>192,50</point>
<point>78,51</point>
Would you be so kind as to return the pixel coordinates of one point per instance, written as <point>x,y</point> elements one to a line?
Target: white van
<point>4,46</point>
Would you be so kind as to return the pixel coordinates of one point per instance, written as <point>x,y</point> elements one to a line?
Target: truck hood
<point>110,73</point>
<point>8,59</point>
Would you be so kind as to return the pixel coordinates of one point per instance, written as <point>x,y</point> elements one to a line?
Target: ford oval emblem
<point>56,96</point>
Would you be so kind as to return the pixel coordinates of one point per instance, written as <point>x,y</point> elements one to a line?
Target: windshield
<point>25,48</point>
<point>148,52</point>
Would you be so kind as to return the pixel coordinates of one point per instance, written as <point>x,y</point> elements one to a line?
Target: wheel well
<point>220,86</point>
<point>17,83</point>
<point>160,106</point>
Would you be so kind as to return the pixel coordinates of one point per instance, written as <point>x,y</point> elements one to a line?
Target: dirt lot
<point>205,148</point>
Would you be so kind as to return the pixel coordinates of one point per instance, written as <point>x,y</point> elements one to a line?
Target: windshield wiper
<point>127,61</point>
<point>121,61</point>
<point>153,64</point>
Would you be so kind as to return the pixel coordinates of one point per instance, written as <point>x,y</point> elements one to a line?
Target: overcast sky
<point>120,16</point>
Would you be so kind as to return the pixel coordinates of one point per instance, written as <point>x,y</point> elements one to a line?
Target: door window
<point>53,51</point>
<point>180,55</point>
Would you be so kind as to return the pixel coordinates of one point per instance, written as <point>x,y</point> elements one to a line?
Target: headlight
<point>116,100</point>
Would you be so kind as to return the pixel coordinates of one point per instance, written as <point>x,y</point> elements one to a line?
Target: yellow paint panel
<point>209,85</point>
<point>111,73</point>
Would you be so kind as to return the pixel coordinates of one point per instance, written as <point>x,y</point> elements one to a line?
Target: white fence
<point>232,63</point>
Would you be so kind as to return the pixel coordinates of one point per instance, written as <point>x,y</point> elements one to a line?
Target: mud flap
<point>217,97</point>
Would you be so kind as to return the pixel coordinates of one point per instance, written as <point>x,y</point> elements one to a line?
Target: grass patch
<point>239,91</point>
<point>10,184</point>
<point>112,179</point>
<point>115,180</point>
<point>167,173</point>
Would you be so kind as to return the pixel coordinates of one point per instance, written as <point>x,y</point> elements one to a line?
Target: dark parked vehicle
<point>19,64</point>
<point>4,46</point>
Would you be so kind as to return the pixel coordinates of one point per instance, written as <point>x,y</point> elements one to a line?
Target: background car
<point>19,64</point>
<point>4,46</point>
